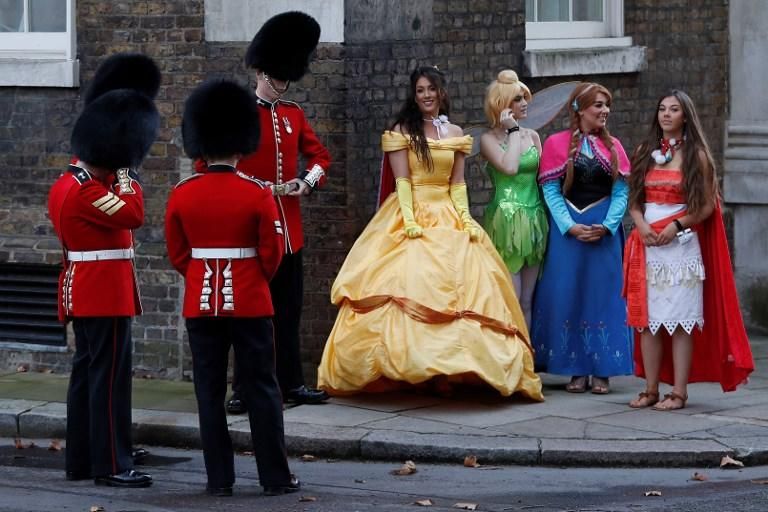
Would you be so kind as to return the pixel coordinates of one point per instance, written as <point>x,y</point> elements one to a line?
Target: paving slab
<point>449,448</point>
<point>420,426</point>
<point>752,451</point>
<point>48,420</point>
<point>388,402</point>
<point>600,431</point>
<point>548,426</point>
<point>661,422</point>
<point>477,415</point>
<point>10,410</point>
<point>333,415</point>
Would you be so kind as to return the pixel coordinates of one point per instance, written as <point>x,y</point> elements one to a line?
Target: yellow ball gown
<point>439,305</point>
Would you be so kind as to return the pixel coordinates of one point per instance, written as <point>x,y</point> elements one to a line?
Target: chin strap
<point>461,203</point>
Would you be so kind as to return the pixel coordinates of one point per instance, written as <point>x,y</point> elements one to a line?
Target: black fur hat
<point>116,130</point>
<point>125,71</point>
<point>220,120</point>
<point>283,46</point>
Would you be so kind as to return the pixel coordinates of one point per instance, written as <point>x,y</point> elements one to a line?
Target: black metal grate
<point>28,304</point>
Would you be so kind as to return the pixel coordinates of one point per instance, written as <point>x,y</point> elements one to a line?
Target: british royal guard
<point>125,71</point>
<point>279,54</point>
<point>93,207</point>
<point>225,237</point>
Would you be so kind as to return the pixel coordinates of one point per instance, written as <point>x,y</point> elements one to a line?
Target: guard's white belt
<point>233,253</point>
<point>106,254</point>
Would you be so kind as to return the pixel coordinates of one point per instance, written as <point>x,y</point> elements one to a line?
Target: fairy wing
<point>546,105</point>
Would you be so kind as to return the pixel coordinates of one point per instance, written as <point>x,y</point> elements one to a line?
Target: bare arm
<point>504,161</point>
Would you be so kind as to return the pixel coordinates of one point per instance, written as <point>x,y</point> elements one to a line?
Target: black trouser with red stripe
<point>99,397</point>
<point>209,340</point>
<point>287,290</point>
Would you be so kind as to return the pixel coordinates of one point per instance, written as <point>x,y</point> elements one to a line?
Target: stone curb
<point>30,419</point>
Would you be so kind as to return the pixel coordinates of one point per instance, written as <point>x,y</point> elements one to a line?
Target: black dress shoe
<point>74,476</point>
<point>305,395</point>
<point>277,490</point>
<point>235,405</point>
<point>139,454</point>
<point>129,478</point>
<point>218,491</point>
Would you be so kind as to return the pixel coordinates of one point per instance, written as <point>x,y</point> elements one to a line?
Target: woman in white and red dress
<point>679,284</point>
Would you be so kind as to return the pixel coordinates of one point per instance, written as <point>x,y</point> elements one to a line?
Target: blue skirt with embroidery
<point>579,321</point>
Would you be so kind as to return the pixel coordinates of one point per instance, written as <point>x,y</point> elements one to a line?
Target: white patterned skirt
<point>675,276</point>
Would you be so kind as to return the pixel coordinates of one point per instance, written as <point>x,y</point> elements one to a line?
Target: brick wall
<point>350,96</point>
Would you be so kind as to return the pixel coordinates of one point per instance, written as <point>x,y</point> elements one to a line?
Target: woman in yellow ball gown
<point>423,296</point>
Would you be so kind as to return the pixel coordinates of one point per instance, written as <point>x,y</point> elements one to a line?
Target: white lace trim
<point>671,325</point>
<point>661,274</point>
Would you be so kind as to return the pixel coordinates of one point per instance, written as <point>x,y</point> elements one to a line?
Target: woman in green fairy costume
<point>515,218</point>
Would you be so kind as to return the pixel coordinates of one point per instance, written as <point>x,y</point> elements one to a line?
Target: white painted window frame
<point>41,59</point>
<point>549,35</point>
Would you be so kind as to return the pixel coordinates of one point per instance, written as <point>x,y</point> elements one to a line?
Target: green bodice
<point>520,189</point>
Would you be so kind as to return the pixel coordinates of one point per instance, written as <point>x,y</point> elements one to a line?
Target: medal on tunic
<point>287,125</point>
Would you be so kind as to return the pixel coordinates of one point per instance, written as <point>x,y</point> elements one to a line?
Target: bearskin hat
<point>283,46</point>
<point>220,120</point>
<point>116,129</point>
<point>125,71</point>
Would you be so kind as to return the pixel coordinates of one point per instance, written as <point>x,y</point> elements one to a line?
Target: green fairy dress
<point>515,218</point>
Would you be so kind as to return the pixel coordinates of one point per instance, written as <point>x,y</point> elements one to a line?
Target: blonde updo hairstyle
<point>501,93</point>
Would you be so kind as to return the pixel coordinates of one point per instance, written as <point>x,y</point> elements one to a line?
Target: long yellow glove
<point>461,203</point>
<point>405,198</point>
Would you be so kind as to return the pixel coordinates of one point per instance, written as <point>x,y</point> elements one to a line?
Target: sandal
<point>650,397</point>
<point>577,384</point>
<point>600,386</point>
<point>671,396</point>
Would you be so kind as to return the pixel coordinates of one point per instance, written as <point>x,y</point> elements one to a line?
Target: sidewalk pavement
<point>566,430</point>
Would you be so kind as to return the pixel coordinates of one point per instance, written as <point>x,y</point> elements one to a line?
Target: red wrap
<point>721,350</point>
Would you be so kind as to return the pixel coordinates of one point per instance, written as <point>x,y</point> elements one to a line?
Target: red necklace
<point>666,151</point>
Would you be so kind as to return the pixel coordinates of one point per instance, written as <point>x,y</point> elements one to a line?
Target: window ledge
<point>584,61</point>
<point>39,73</point>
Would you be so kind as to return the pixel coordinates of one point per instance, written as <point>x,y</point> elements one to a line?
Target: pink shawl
<point>554,155</point>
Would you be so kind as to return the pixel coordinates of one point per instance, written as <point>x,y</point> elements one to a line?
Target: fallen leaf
<point>423,503</point>
<point>308,498</point>
<point>470,461</point>
<point>729,463</point>
<point>760,482</point>
<point>699,477</point>
<point>22,368</point>
<point>55,445</point>
<point>97,508</point>
<point>21,445</point>
<point>465,506</point>
<point>408,468</point>
<point>359,481</point>
<point>653,493</point>
<point>308,458</point>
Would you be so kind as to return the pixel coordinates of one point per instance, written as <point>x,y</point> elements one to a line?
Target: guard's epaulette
<point>291,103</point>
<point>188,178</point>
<point>80,174</point>
<point>257,181</point>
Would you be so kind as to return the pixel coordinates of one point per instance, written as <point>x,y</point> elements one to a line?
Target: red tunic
<point>285,135</point>
<point>90,215</point>
<point>226,210</point>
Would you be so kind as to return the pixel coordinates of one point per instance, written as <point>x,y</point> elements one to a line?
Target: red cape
<point>721,351</point>
<point>386,181</point>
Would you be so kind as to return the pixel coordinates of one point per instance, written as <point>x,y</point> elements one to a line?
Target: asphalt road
<point>32,479</point>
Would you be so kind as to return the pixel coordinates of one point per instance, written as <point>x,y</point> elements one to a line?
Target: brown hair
<point>696,157</point>
<point>411,118</point>
<point>583,96</point>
